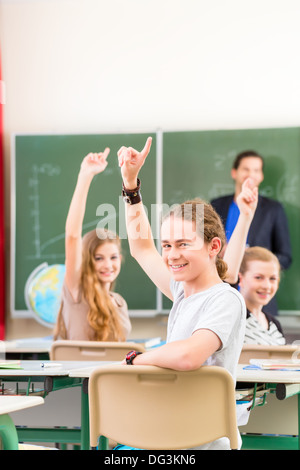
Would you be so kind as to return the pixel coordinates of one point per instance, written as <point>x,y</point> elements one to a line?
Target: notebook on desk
<point>149,342</point>
<point>10,365</point>
<point>275,364</point>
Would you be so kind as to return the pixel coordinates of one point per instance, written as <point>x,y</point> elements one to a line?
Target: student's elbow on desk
<point>183,355</point>
<point>188,362</point>
<point>198,348</point>
<point>184,361</point>
<point>181,361</point>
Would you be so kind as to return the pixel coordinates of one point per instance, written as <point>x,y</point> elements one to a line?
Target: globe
<point>43,292</point>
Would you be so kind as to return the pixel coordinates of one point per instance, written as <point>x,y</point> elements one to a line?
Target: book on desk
<point>10,365</point>
<point>275,364</point>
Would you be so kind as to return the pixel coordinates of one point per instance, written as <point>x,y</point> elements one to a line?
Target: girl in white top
<point>90,310</point>
<point>259,279</point>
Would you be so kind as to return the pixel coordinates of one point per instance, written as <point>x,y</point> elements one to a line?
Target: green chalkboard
<point>181,165</point>
<point>44,174</point>
<point>198,163</point>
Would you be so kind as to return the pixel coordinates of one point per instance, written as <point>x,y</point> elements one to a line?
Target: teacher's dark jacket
<point>269,227</point>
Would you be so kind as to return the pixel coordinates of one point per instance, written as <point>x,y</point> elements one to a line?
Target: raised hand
<point>248,198</point>
<point>131,161</point>
<point>95,163</point>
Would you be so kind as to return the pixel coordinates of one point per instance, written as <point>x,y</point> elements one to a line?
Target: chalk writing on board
<point>219,189</point>
<point>221,161</point>
<point>40,246</point>
<point>34,197</point>
<point>266,191</point>
<point>287,189</point>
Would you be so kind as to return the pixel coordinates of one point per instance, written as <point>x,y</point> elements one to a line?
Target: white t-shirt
<point>257,334</point>
<point>220,309</point>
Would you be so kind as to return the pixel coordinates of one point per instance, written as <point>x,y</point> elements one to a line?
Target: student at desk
<point>207,321</point>
<point>90,310</point>
<point>259,281</point>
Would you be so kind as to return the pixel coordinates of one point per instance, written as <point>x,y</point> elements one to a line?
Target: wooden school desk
<point>51,378</point>
<point>283,384</point>
<point>27,348</point>
<point>9,404</point>
<point>39,347</point>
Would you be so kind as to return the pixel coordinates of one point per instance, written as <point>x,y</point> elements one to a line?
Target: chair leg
<point>103,443</point>
<point>8,433</point>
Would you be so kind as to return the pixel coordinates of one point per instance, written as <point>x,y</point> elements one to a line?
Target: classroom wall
<point>89,66</point>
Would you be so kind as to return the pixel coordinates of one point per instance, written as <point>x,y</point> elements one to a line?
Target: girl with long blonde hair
<point>90,309</point>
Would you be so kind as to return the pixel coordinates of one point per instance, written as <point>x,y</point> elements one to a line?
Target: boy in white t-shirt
<point>220,309</point>
<point>207,321</point>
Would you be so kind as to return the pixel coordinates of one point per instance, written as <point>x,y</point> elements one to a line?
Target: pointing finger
<point>105,153</point>
<point>147,147</point>
<point>249,183</point>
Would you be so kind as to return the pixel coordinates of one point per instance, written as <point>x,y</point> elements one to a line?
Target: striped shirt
<point>257,334</point>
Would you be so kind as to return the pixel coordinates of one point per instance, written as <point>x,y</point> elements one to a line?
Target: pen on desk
<point>50,364</point>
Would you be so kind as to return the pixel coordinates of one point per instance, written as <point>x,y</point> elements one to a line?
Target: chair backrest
<point>261,351</point>
<point>67,350</point>
<point>150,407</point>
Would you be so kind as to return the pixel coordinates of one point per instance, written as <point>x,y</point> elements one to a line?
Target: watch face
<point>130,356</point>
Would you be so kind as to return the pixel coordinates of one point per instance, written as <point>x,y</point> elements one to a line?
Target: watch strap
<point>132,196</point>
<point>130,356</point>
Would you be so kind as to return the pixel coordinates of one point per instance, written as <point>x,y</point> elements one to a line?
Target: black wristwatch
<point>130,356</point>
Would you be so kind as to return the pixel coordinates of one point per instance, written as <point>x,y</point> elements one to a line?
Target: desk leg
<point>8,433</point>
<point>85,421</point>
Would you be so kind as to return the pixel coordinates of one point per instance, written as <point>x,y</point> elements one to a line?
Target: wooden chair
<point>261,351</point>
<point>67,350</point>
<point>149,407</point>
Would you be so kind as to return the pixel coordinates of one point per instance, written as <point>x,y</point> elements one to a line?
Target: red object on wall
<point>2,249</point>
